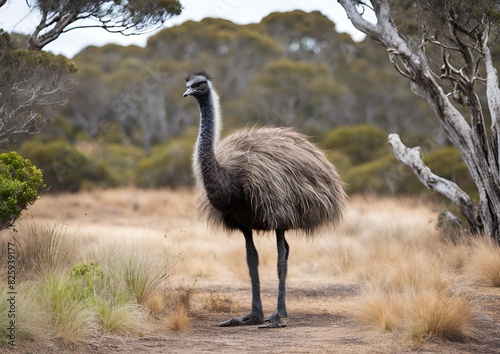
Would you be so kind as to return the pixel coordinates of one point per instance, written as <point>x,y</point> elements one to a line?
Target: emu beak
<point>188,92</point>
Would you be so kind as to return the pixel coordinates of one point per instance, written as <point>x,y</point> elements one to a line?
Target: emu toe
<point>249,319</point>
<point>274,321</point>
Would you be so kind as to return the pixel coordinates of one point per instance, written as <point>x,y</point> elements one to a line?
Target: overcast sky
<point>16,16</point>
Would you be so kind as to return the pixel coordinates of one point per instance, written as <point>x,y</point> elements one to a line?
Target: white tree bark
<point>412,158</point>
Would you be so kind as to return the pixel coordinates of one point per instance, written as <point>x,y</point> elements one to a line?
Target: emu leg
<point>256,316</point>
<point>276,319</point>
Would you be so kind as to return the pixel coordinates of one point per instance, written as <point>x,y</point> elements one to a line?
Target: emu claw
<point>248,319</point>
<point>274,321</point>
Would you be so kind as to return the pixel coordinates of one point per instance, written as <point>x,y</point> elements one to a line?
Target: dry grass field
<point>134,271</point>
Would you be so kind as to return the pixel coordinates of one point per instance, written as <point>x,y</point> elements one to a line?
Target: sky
<point>16,16</point>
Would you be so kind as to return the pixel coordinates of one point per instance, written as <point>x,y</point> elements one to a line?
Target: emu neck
<point>215,178</point>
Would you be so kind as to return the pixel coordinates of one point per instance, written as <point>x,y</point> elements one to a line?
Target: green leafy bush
<point>65,168</point>
<point>20,185</point>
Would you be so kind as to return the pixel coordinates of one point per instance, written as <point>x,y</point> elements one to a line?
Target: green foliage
<point>362,143</point>
<point>86,275</point>
<point>20,185</point>
<point>65,168</point>
<point>130,17</point>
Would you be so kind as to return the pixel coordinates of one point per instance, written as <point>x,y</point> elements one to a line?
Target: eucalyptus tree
<point>125,17</point>
<point>444,47</point>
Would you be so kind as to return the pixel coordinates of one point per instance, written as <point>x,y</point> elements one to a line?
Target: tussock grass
<point>41,248</point>
<point>218,303</point>
<point>72,320</point>
<point>179,320</point>
<point>116,267</point>
<point>412,292</point>
<point>484,263</point>
<point>122,319</point>
<point>181,300</point>
<point>74,284</point>
<point>31,320</point>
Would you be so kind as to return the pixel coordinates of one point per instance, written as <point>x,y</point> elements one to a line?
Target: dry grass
<point>178,321</point>
<point>181,300</point>
<point>406,284</point>
<point>150,242</point>
<point>413,294</point>
<point>42,248</point>
<point>484,263</point>
<point>218,303</point>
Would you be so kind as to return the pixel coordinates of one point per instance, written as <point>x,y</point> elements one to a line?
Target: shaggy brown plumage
<point>286,182</point>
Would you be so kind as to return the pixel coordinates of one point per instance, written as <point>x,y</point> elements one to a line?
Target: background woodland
<point>126,122</point>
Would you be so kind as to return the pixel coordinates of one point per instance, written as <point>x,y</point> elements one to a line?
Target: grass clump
<point>218,303</point>
<point>484,263</point>
<point>412,293</point>
<point>42,249</point>
<point>68,314</point>
<point>181,300</point>
<point>122,319</point>
<point>179,320</point>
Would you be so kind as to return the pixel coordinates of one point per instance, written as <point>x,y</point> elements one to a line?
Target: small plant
<point>20,185</point>
<point>179,320</point>
<point>218,303</point>
<point>86,275</point>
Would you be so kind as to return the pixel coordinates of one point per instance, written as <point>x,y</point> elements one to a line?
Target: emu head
<point>198,84</point>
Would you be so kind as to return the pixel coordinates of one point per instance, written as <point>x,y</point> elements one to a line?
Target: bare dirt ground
<point>319,306</point>
<point>317,323</point>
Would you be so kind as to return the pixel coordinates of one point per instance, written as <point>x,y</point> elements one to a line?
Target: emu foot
<point>249,319</point>
<point>274,321</point>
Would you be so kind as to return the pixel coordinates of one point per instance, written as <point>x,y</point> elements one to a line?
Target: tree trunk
<point>478,145</point>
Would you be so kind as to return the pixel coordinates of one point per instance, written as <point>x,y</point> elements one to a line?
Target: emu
<point>261,179</point>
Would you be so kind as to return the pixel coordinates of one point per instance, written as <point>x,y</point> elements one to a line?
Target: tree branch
<point>493,96</point>
<point>358,21</point>
<point>412,158</point>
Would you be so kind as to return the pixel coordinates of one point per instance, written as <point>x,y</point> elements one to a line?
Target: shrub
<point>20,185</point>
<point>121,160</point>
<point>65,168</point>
<point>169,165</point>
<point>448,163</point>
<point>382,176</point>
<point>361,143</point>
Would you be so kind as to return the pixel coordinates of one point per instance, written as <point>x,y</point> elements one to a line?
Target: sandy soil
<point>320,317</point>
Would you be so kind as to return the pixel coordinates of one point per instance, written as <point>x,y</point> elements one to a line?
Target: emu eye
<point>202,84</point>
